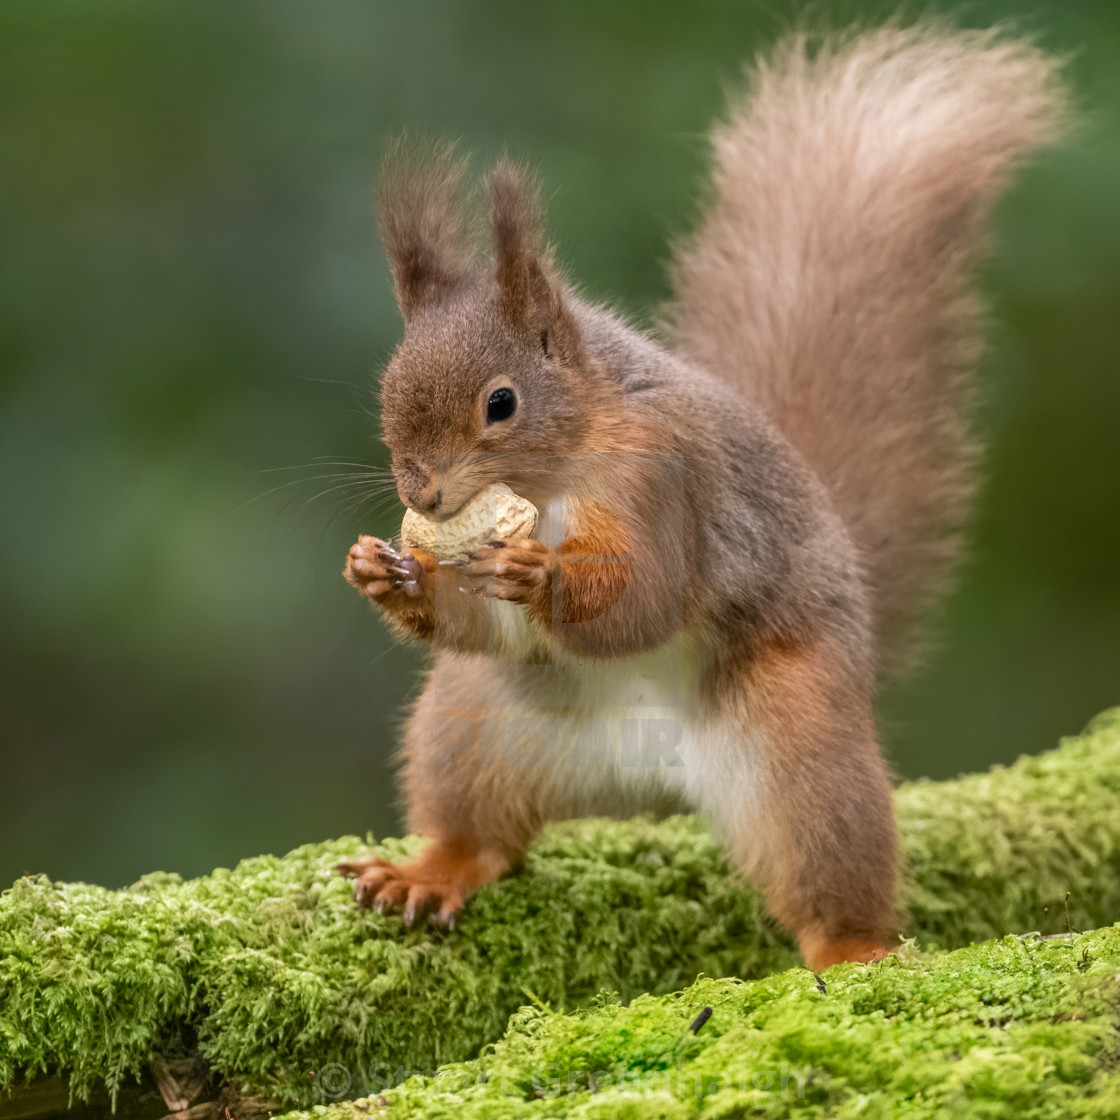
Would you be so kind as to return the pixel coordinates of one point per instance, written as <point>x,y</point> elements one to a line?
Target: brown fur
<point>736,530</point>
<point>823,848</point>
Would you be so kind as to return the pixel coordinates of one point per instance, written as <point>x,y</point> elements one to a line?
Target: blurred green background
<point>192,300</point>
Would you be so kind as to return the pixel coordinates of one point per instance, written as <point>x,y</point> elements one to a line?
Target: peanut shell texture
<point>494,513</point>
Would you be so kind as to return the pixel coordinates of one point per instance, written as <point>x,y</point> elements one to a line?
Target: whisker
<point>352,484</point>
<point>355,480</point>
<point>344,486</point>
<point>349,387</point>
<point>356,463</point>
<point>323,461</point>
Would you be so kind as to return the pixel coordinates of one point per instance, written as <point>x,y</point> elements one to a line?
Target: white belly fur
<point>626,735</point>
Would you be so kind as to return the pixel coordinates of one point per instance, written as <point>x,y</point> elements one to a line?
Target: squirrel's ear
<point>421,216</point>
<point>530,292</point>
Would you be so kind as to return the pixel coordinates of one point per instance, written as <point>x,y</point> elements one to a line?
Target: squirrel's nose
<point>424,496</point>
<point>417,485</point>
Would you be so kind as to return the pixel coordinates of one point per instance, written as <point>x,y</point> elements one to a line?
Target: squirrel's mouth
<point>446,510</point>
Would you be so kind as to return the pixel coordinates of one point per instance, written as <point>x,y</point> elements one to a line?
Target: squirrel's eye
<point>500,406</point>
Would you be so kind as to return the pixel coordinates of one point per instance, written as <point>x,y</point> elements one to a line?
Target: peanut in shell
<point>494,513</point>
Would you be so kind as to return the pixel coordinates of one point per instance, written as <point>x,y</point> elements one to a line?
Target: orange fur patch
<point>593,567</point>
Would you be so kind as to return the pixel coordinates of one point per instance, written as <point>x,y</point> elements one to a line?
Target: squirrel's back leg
<point>813,823</point>
<point>479,807</point>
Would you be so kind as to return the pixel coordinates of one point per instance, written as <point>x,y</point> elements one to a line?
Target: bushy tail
<point>829,279</point>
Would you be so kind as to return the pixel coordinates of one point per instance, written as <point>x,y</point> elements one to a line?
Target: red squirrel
<point>741,515</point>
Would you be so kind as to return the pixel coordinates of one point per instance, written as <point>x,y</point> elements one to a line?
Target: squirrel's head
<point>488,382</point>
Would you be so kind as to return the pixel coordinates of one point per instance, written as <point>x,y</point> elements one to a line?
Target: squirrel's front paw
<point>517,570</point>
<point>378,570</point>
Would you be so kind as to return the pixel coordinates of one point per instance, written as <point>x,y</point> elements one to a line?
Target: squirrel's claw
<point>385,887</point>
<point>377,569</point>
<point>513,570</point>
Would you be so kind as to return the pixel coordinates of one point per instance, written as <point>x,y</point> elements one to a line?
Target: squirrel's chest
<point>666,678</point>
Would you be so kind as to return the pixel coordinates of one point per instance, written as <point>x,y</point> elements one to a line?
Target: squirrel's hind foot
<point>821,953</point>
<point>436,883</point>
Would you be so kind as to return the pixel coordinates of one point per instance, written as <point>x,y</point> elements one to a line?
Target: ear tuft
<point>421,212</point>
<point>519,246</point>
<point>530,292</point>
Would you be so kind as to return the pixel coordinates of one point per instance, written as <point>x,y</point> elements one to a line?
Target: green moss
<point>997,852</point>
<point>275,977</point>
<point>1013,1028</point>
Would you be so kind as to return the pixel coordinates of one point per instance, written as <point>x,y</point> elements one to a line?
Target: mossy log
<point>1017,1028</point>
<point>275,990</point>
